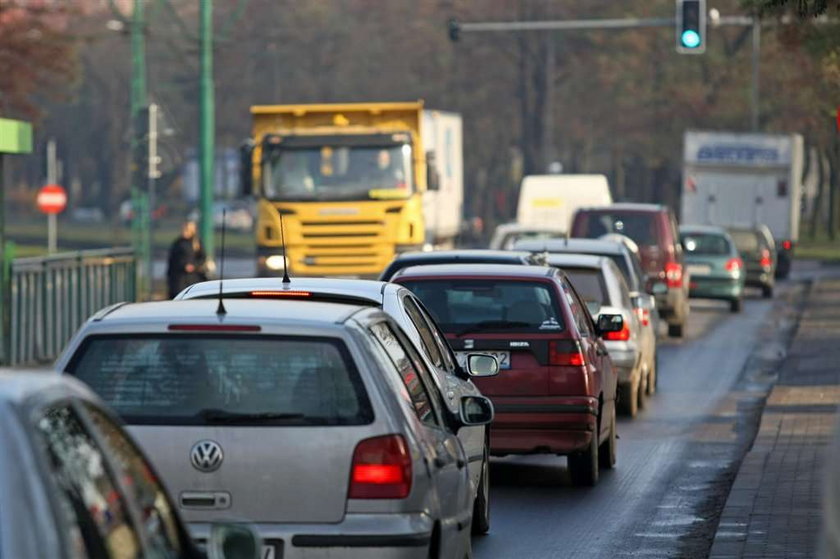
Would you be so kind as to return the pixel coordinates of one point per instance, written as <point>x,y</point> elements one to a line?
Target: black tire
<point>641,392</point>
<point>653,378</point>
<point>735,305</point>
<point>628,400</point>
<point>675,330</point>
<point>767,291</point>
<point>481,507</point>
<point>583,465</point>
<point>607,452</point>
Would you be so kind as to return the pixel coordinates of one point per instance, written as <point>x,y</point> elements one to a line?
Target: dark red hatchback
<point>556,390</point>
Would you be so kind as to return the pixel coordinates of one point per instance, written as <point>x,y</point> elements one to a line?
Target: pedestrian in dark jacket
<point>187,261</point>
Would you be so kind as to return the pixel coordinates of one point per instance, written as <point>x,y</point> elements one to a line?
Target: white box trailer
<point>733,179</point>
<point>443,146</point>
<point>550,201</point>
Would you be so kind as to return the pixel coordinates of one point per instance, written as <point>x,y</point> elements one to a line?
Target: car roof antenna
<point>283,242</point>
<point>221,310</point>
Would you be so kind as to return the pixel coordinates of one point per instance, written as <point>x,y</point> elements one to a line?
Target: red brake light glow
<point>563,357</point>
<point>734,265</point>
<point>765,261</point>
<point>673,274</point>
<point>214,328</point>
<point>644,316</point>
<point>787,245</point>
<point>381,469</point>
<point>281,294</point>
<point>621,336</point>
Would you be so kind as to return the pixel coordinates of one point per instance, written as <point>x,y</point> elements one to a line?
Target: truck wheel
<point>628,399</point>
<point>606,454</point>
<point>735,305</point>
<point>767,291</point>
<point>675,330</point>
<point>583,465</point>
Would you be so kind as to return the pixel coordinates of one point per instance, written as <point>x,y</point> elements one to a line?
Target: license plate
<point>503,357</point>
<point>699,270</point>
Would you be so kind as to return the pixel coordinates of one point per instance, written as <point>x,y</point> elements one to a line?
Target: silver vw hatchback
<point>318,422</point>
<point>451,377</point>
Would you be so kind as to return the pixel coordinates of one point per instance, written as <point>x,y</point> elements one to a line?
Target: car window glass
<point>620,260</point>
<point>641,227</point>
<point>158,519</point>
<point>578,312</point>
<point>589,284</point>
<point>89,495</point>
<point>426,336</point>
<point>408,372</point>
<point>175,379</point>
<point>706,244</point>
<point>449,361</point>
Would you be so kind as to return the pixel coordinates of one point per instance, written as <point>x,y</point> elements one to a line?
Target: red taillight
<point>381,469</point>
<point>734,265</point>
<point>644,316</point>
<point>560,353</point>
<point>765,261</point>
<point>787,245</point>
<point>673,274</point>
<point>621,336</point>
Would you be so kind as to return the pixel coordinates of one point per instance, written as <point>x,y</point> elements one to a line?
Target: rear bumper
<point>717,287</point>
<point>548,425</point>
<point>759,278</point>
<point>378,536</point>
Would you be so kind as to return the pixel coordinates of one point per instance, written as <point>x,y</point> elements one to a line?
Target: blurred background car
<point>714,267</point>
<point>507,234</point>
<point>238,215</point>
<point>758,251</point>
<point>468,256</point>
<point>73,483</point>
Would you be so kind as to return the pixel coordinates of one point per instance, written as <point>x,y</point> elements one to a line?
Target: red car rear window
<point>490,305</point>
<point>639,226</point>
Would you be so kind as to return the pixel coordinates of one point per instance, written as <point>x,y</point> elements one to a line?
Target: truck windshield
<point>338,173</point>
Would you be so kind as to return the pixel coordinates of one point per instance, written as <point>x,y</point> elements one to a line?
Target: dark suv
<point>654,228</point>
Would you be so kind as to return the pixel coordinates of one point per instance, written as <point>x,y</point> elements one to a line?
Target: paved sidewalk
<point>773,509</point>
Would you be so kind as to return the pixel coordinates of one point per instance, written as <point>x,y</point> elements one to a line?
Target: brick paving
<point>773,509</point>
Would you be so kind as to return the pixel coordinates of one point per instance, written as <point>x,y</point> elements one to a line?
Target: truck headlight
<point>275,262</point>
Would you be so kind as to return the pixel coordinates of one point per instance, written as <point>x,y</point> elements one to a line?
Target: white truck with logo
<point>732,179</point>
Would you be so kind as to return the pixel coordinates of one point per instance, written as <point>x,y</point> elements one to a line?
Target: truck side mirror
<point>246,168</point>
<point>432,175</point>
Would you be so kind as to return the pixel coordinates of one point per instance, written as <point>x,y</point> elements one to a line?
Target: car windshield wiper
<point>223,416</point>
<point>491,325</point>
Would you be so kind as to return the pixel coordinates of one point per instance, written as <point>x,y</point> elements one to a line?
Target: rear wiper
<point>222,416</point>
<point>491,325</point>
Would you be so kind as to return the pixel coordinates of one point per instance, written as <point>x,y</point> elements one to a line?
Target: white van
<point>550,201</point>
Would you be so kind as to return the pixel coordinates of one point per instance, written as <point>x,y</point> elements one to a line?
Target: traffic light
<point>454,30</point>
<point>691,26</point>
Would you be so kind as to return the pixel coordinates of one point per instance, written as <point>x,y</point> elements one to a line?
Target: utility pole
<point>207,128</point>
<point>139,201</point>
<point>756,74</point>
<point>152,175</point>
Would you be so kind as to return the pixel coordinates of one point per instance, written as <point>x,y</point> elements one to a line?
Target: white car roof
<point>367,290</point>
<point>570,245</point>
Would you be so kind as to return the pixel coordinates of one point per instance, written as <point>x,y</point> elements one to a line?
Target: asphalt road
<point>675,460</point>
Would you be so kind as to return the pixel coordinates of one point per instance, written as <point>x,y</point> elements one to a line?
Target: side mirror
<point>610,323</point>
<point>482,365</point>
<point>234,541</point>
<point>246,168</point>
<point>432,175</point>
<point>476,410</point>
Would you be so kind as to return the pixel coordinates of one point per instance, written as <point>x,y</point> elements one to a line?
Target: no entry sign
<point>52,199</point>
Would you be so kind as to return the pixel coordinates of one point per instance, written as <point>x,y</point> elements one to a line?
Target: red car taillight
<point>673,274</point>
<point>787,245</point>
<point>765,261</point>
<point>734,265</point>
<point>621,336</point>
<point>559,353</point>
<point>381,469</point>
<point>644,316</point>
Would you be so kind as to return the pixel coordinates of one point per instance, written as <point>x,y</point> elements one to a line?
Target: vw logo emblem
<point>206,456</point>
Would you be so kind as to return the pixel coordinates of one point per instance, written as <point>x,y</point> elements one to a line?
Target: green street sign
<point>15,136</point>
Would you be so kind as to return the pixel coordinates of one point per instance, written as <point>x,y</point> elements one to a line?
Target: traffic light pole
<point>207,129</point>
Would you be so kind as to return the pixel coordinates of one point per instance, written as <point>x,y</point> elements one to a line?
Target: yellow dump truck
<point>355,184</point>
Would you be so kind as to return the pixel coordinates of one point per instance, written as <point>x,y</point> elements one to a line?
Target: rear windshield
<point>212,379</point>
<point>512,238</point>
<point>705,244</point>
<point>746,241</point>
<point>589,284</point>
<point>641,227</point>
<point>621,262</point>
<point>489,305</point>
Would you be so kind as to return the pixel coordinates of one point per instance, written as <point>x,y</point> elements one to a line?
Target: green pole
<point>207,128</point>
<point>140,221</point>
